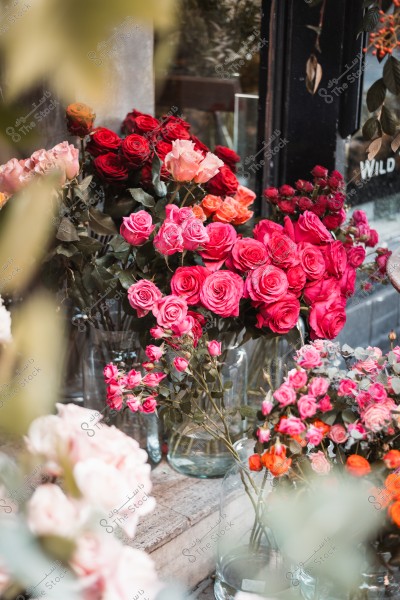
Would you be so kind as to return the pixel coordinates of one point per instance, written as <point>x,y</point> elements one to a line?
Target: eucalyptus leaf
<point>395,383</point>
<point>67,231</point>
<point>101,223</point>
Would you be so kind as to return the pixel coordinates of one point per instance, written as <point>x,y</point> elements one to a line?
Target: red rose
<point>321,290</point>
<point>187,283</point>
<point>282,251</point>
<point>103,140</point>
<point>170,310</point>
<point>304,186</point>
<point>128,124</point>
<point>199,146</point>
<point>266,284</point>
<point>327,318</point>
<point>248,254</point>
<point>145,124</point>
<point>333,221</point>
<point>319,171</point>
<point>336,202</point>
<point>229,157</point>
<point>174,131</point>
<point>309,228</point>
<point>222,236</point>
<point>271,194</point>
<point>312,260</point>
<point>222,292</point>
<point>297,279</point>
<point>355,256</point>
<point>373,238</point>
<point>287,206</point>
<point>111,168</point>
<point>281,316</point>
<point>80,118</point>
<point>264,230</point>
<point>348,282</point>
<point>162,149</point>
<point>304,203</point>
<point>177,120</point>
<point>335,258</point>
<point>223,183</point>
<point>288,228</point>
<point>287,190</point>
<point>136,150</point>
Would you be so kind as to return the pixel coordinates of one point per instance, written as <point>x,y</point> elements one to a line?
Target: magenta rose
<point>280,316</point>
<point>308,357</point>
<point>297,279</point>
<point>373,238</point>
<point>319,172</point>
<point>264,230</point>
<point>285,395</point>
<point>282,250</point>
<point>335,258</point>
<point>222,292</point>
<point>248,254</point>
<point>304,203</point>
<point>187,283</point>
<point>348,282</point>
<point>154,353</point>
<point>221,236</point>
<point>137,228</point>
<point>194,234</point>
<point>347,387</point>
<point>333,221</point>
<point>110,373</point>
<point>143,295</point>
<point>297,378</point>
<point>181,364</point>
<point>327,318</point>
<point>318,386</point>
<point>312,260</point>
<point>214,348</point>
<point>307,406</point>
<point>338,434</point>
<point>149,405</point>
<point>169,239</point>
<point>322,289</point>
<point>291,426</point>
<point>309,228</point>
<point>378,392</point>
<point>266,284</point>
<point>170,310</point>
<point>356,256</point>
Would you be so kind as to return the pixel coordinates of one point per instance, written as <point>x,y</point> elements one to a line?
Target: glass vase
<point>248,559</point>
<point>121,348</point>
<point>192,450</point>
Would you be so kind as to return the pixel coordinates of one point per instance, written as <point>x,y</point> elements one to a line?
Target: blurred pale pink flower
<point>51,512</point>
<point>319,463</point>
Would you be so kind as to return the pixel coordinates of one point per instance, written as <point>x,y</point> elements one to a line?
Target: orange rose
<point>277,465</point>
<point>244,196</point>
<point>210,204</point>
<point>297,438</point>
<point>255,463</point>
<point>357,465</point>
<point>227,211</point>
<point>199,212</point>
<point>392,483</point>
<point>321,426</point>
<point>243,215</point>
<point>80,118</point>
<point>394,512</point>
<point>392,459</point>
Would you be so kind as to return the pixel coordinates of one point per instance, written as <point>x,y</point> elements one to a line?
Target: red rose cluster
<point>324,197</point>
<point>116,159</point>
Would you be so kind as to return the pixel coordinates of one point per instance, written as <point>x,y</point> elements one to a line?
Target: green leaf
<point>119,245</point>
<point>371,129</point>
<point>248,411</point>
<point>85,183</point>
<point>395,383</point>
<point>371,19</point>
<point>159,186</point>
<point>101,223</point>
<point>126,278</point>
<point>376,95</point>
<point>368,3</point>
<point>142,197</point>
<point>67,231</point>
<point>388,121</point>
<point>67,251</point>
<point>391,75</point>
<point>88,245</point>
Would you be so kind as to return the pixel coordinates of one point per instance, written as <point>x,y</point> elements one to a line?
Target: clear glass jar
<point>248,559</point>
<point>194,452</point>
<point>121,348</point>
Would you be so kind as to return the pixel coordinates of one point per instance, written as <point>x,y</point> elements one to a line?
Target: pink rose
<point>373,238</point>
<point>356,256</point>
<point>314,435</point>
<point>67,157</point>
<point>208,168</point>
<point>194,234</point>
<point>360,217</point>
<point>180,364</point>
<point>187,164</point>
<point>376,416</point>
<point>285,395</point>
<point>266,284</point>
<point>282,250</point>
<point>338,434</point>
<point>143,295</point>
<point>183,327</point>
<point>308,357</point>
<point>170,310</point>
<point>12,176</point>
<point>51,512</point>
<point>157,333</point>
<point>266,407</point>
<point>348,282</point>
<point>312,260</point>
<point>110,372</point>
<point>133,378</point>
<point>149,405</point>
<point>280,316</point>
<point>245,196</point>
<point>214,348</point>
<point>154,353</point>
<point>248,254</point>
<point>378,392</point>
<point>319,463</point>
<point>264,435</point>
<point>264,230</point>
<point>133,402</point>
<point>333,221</point>
<point>307,406</point>
<point>335,258</point>
<point>222,292</point>
<point>327,318</point>
<point>325,405</point>
<point>297,279</point>
<point>137,228</point>
<point>187,283</point>
<point>321,290</point>
<point>357,431</point>
<point>169,239</point>
<point>309,228</point>
<point>222,236</point>
<point>291,426</point>
<point>178,215</point>
<point>153,379</point>
<point>363,399</point>
<point>297,378</point>
<point>347,387</point>
<point>318,386</point>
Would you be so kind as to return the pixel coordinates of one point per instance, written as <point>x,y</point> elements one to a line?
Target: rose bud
<point>263,435</point>
<point>80,119</point>
<point>180,364</point>
<point>255,462</point>
<point>319,171</point>
<point>214,348</point>
<point>266,407</point>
